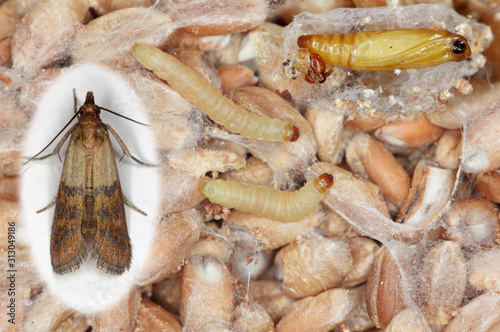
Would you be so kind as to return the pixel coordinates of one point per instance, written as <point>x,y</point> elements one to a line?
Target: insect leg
<point>125,150</point>
<point>130,205</point>
<point>56,150</point>
<point>48,206</point>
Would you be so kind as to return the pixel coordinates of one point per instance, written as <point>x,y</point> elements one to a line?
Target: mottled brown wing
<point>67,245</point>
<point>112,247</point>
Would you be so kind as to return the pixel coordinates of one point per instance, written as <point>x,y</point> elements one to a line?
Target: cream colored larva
<point>195,88</point>
<point>284,206</point>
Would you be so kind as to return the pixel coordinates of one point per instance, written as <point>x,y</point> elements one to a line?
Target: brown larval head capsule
<point>292,133</point>
<point>323,182</point>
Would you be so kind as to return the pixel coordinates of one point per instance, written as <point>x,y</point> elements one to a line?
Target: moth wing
<point>67,244</point>
<point>112,247</point>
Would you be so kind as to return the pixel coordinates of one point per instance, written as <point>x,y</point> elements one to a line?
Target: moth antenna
<point>59,133</point>
<point>123,116</point>
<point>75,100</point>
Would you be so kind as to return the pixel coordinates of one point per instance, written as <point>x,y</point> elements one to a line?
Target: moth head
<point>89,108</point>
<point>90,98</point>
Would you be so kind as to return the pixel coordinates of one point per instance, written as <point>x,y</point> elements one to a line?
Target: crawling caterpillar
<point>385,49</point>
<point>274,204</point>
<point>195,88</point>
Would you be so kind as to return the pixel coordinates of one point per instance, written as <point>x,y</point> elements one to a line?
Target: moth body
<point>89,203</point>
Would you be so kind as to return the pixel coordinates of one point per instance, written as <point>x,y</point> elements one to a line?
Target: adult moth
<point>210,100</point>
<point>384,49</point>
<point>89,206</point>
<point>284,206</point>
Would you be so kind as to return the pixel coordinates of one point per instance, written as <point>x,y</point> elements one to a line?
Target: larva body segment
<point>195,88</point>
<point>388,49</point>
<point>271,203</point>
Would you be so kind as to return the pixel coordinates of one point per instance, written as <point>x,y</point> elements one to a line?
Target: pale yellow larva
<point>284,206</point>
<point>195,88</point>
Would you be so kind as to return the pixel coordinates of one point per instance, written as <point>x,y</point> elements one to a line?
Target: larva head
<point>291,134</point>
<point>148,56</point>
<point>205,187</point>
<point>323,182</point>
